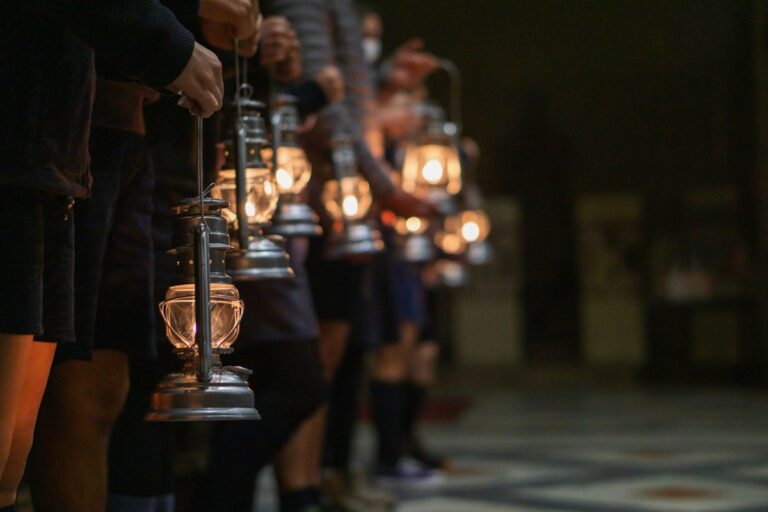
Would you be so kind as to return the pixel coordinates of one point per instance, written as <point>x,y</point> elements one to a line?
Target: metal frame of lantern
<point>432,167</point>
<point>202,312</point>
<point>351,233</point>
<point>293,217</point>
<point>413,240</point>
<point>257,255</point>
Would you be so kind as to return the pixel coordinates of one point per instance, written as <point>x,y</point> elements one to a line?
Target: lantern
<point>202,313</point>
<point>414,242</point>
<point>292,171</point>
<point>348,200</point>
<point>431,167</point>
<point>247,182</point>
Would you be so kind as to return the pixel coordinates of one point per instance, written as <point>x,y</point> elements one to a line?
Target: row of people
<point>94,156</point>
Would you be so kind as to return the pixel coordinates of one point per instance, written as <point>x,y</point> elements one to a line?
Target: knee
<point>79,395</point>
<point>303,396</point>
<point>390,363</point>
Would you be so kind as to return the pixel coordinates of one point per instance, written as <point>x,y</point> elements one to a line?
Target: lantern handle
<point>202,269</point>
<point>276,119</point>
<point>455,85</point>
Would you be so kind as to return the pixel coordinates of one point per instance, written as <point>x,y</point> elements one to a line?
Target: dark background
<point>568,98</point>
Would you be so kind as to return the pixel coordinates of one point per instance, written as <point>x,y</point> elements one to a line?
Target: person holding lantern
<point>114,310</point>
<point>47,87</point>
<point>277,334</point>
<point>336,285</point>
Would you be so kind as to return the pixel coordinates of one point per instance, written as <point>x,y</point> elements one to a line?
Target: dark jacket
<point>47,79</point>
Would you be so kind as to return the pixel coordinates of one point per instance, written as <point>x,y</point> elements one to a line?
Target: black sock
<point>294,501</point>
<point>387,406</point>
<point>9,508</point>
<point>414,396</point>
<point>343,407</point>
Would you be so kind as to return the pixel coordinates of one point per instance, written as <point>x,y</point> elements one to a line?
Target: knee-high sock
<point>296,501</point>
<point>386,402</point>
<point>288,388</point>
<point>140,452</point>
<point>414,396</point>
<point>343,408</point>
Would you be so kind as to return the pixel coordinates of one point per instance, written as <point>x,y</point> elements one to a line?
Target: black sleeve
<point>310,97</point>
<point>185,11</point>
<point>142,38</point>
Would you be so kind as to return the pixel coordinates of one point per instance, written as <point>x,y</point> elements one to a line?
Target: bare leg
<point>31,385</point>
<point>298,464</point>
<point>424,363</point>
<point>392,361</point>
<point>79,410</point>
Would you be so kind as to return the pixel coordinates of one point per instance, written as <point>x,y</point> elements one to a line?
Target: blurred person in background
<point>330,34</point>
<point>389,315</point>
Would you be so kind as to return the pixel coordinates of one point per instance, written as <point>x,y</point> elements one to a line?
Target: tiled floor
<point>600,451</point>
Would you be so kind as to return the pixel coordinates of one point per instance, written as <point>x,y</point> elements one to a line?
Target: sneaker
<point>353,494</point>
<point>408,472</point>
<point>416,450</point>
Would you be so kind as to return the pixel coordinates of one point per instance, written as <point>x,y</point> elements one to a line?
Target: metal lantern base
<point>295,219</point>
<point>452,274</point>
<point>479,253</point>
<point>416,248</point>
<point>354,239</point>
<point>181,397</point>
<point>263,259</point>
<point>445,203</point>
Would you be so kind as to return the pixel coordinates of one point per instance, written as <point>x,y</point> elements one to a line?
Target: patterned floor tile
<point>458,505</point>
<point>470,471</point>
<point>657,493</point>
<point>654,457</point>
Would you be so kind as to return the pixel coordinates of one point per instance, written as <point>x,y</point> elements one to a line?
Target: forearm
<point>142,38</point>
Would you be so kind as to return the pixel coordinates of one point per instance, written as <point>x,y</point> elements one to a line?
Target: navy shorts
<point>337,285</point>
<point>38,265</point>
<point>410,296</point>
<point>114,298</point>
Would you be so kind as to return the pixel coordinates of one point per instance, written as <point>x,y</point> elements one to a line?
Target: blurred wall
<point>567,99</point>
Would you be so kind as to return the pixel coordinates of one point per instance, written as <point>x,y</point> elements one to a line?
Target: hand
<point>331,82</point>
<point>403,204</point>
<point>280,48</point>
<point>224,20</point>
<point>411,65</point>
<point>200,84</point>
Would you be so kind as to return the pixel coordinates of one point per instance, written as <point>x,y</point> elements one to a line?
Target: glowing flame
<point>451,244</point>
<point>432,171</point>
<point>350,206</point>
<point>470,231</point>
<point>413,224</point>
<point>284,179</point>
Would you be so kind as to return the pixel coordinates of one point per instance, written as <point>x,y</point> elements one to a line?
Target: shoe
<point>416,450</point>
<point>408,472</point>
<point>353,494</point>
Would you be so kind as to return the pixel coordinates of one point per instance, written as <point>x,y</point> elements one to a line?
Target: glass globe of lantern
<point>293,168</point>
<point>432,167</point>
<point>411,226</point>
<point>261,195</point>
<point>178,311</point>
<point>475,226</point>
<point>450,243</point>
<point>347,199</point>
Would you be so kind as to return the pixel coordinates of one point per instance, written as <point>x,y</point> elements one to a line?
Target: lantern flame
<point>432,171</point>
